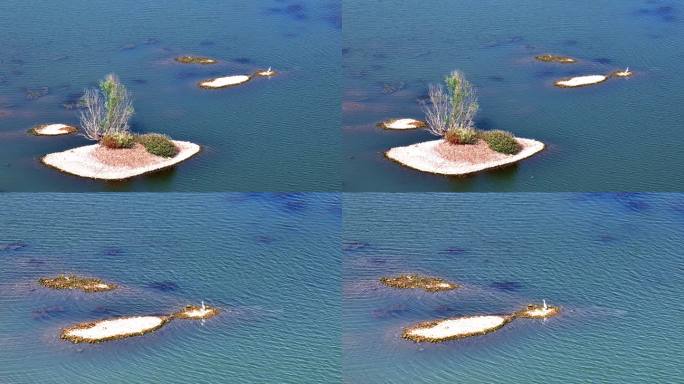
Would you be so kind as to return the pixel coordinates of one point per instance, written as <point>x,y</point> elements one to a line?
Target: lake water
<point>278,134</point>
<point>617,136</point>
<point>613,262</point>
<point>271,263</point>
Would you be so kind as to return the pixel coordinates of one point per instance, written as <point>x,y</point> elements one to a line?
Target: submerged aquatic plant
<point>451,111</point>
<point>106,110</point>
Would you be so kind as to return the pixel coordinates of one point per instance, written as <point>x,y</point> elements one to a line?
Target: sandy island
<point>427,283</point>
<point>196,312</point>
<point>224,82</point>
<point>441,157</point>
<point>555,59</point>
<point>52,130</point>
<point>130,326</point>
<point>98,162</point>
<point>113,329</point>
<point>581,81</point>
<point>195,60</point>
<point>86,284</point>
<point>454,328</point>
<point>436,331</point>
<point>401,124</point>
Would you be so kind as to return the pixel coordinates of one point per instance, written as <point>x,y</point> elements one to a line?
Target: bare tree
<point>107,109</point>
<point>92,114</point>
<point>451,109</point>
<point>438,111</point>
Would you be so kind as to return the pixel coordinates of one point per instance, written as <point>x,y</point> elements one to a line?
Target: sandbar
<point>113,329</point>
<point>581,81</point>
<point>401,124</point>
<point>454,328</point>
<point>53,130</point>
<point>224,82</point>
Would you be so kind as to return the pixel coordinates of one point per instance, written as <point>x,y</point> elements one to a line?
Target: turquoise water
<point>279,134</point>
<point>613,262</point>
<point>623,135</point>
<point>270,262</point>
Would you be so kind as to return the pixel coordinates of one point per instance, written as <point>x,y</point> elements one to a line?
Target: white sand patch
<point>460,327</point>
<point>581,81</point>
<point>54,129</point>
<point>97,286</point>
<point>402,124</point>
<point>425,157</point>
<point>222,82</point>
<point>115,328</point>
<point>81,162</point>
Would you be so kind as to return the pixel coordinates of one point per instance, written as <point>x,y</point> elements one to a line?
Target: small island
<point>130,326</point>
<point>402,124</point>
<point>462,149</point>
<point>195,60</point>
<point>622,73</point>
<point>266,72</point>
<point>583,81</point>
<point>196,312</point>
<point>224,82</point>
<point>548,58</point>
<point>414,281</point>
<point>535,311</point>
<point>437,331</point>
<point>86,284</point>
<point>118,154</point>
<point>52,130</point>
<point>113,329</point>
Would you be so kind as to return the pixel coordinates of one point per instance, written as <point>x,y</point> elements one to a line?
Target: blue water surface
<point>271,263</point>
<point>623,135</point>
<point>613,262</point>
<point>278,134</point>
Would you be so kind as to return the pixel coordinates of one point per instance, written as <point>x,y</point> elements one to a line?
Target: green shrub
<point>118,140</point>
<point>159,145</point>
<point>461,136</point>
<point>501,141</point>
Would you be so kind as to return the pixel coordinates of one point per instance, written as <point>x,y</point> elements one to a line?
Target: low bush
<point>461,136</point>
<point>118,140</point>
<point>501,141</point>
<point>159,145</point>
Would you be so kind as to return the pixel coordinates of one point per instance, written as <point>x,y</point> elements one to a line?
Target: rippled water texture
<point>613,262</point>
<point>617,136</point>
<point>271,263</point>
<point>278,134</point>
